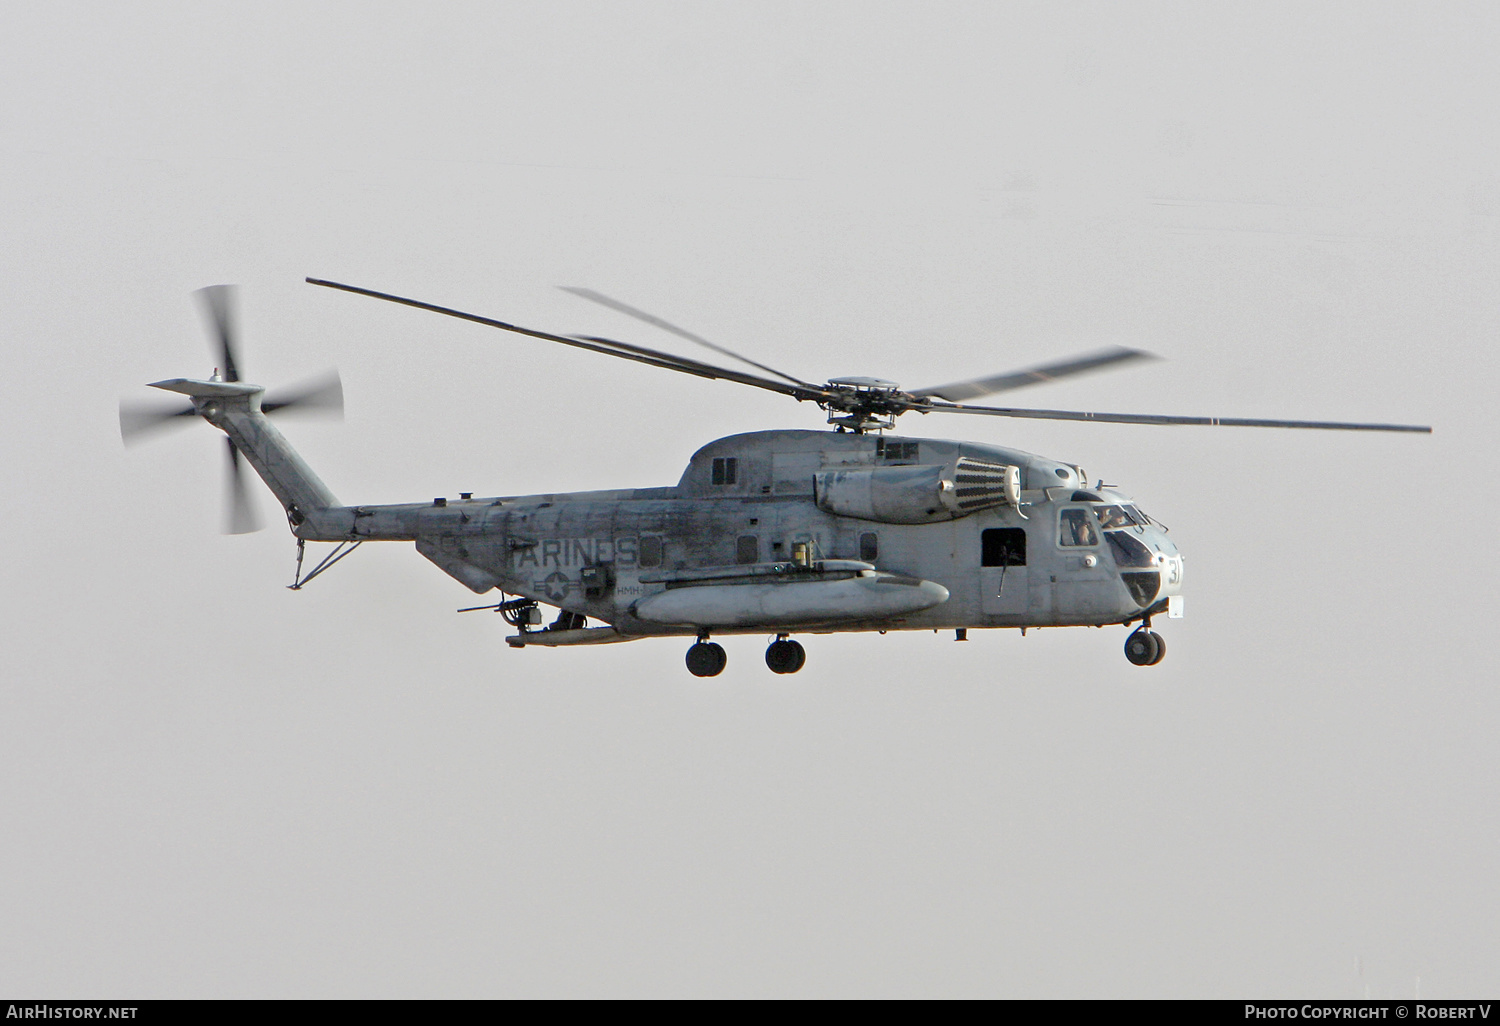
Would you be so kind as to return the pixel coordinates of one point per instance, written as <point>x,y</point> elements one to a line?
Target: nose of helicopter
<point>1149,563</point>
<point>1168,562</point>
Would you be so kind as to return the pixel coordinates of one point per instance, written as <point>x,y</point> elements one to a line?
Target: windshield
<point>1111,517</point>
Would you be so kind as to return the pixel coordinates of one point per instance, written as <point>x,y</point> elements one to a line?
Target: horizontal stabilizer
<point>208,389</point>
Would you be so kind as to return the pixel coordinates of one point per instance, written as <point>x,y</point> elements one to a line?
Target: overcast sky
<point>212,786</point>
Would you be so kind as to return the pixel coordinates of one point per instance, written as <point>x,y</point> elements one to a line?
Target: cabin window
<point>1002,546</point>
<point>1075,528</point>
<point>650,551</point>
<point>747,549</point>
<point>726,470</point>
<point>885,450</point>
<point>869,546</point>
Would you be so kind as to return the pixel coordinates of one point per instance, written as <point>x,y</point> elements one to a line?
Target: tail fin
<point>235,408</point>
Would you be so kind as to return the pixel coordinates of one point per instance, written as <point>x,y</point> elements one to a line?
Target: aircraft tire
<point>1161,648</point>
<point>706,659</point>
<point>785,656</point>
<point>1141,647</point>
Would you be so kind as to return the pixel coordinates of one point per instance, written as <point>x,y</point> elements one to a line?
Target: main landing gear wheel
<point>1145,648</point>
<point>785,656</point>
<point>706,659</point>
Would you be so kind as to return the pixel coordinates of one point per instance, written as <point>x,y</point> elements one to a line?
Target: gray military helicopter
<point>771,532</point>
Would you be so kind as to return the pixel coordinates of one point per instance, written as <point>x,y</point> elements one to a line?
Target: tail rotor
<point>322,395</point>
<point>218,304</point>
<point>240,514</point>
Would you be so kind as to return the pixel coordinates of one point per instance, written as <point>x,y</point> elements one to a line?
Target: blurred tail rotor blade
<point>242,518</point>
<point>218,303</point>
<point>137,419</point>
<point>320,395</point>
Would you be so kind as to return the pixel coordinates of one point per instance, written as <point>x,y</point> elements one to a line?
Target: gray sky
<point>212,786</point>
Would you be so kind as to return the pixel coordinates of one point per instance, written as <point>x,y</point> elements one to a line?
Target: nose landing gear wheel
<point>1143,648</point>
<point>785,656</point>
<point>1161,648</point>
<point>706,659</point>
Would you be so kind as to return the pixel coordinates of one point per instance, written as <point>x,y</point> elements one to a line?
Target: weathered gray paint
<point>536,545</point>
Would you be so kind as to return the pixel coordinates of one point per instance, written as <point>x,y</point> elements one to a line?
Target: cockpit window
<point>1147,518</point>
<point>1128,550</point>
<point>1111,517</point>
<point>1075,528</point>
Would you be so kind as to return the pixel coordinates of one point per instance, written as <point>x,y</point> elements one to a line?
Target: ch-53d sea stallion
<point>772,532</point>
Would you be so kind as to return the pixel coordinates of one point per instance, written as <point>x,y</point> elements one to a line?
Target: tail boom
<point>234,407</point>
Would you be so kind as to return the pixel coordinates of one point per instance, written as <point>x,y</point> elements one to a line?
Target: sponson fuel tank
<point>864,597</point>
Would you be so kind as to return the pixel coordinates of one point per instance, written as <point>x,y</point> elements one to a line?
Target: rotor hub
<point>861,404</point>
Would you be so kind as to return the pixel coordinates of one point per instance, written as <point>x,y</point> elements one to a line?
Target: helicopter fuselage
<point>758,537</point>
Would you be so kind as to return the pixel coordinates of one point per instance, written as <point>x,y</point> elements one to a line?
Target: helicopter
<point>770,533</point>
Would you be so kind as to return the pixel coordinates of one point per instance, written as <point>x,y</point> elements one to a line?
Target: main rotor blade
<point>655,321</point>
<point>961,390</point>
<point>138,419</point>
<point>218,303</point>
<point>1153,418</point>
<point>321,395</point>
<point>242,518</point>
<point>639,354</point>
<point>688,366</point>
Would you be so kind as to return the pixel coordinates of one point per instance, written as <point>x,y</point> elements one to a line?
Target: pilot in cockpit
<point>1111,517</point>
<point>1076,529</point>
